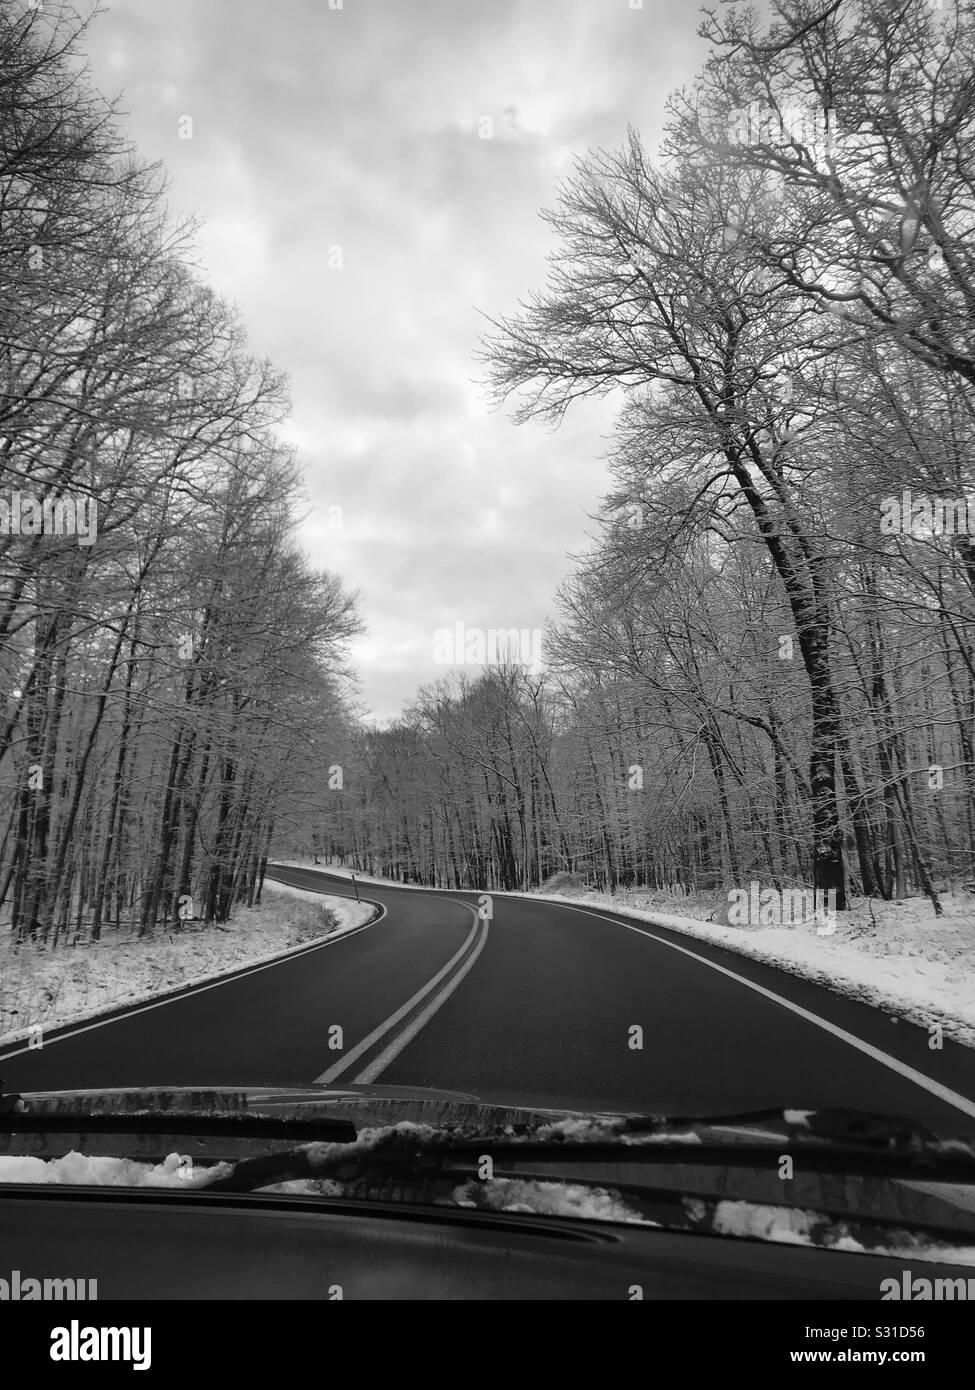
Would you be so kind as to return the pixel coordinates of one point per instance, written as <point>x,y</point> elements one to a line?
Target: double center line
<point>441,986</point>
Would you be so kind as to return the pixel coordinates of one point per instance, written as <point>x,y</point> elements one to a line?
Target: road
<point>538,1004</point>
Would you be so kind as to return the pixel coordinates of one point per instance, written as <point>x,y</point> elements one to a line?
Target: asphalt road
<point>536,1003</point>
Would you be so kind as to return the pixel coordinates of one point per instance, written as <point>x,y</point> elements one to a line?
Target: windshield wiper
<point>17,1118</point>
<point>436,1169</point>
<point>828,1139</point>
<point>826,1122</point>
<point>412,1153</point>
<point>10,1103</point>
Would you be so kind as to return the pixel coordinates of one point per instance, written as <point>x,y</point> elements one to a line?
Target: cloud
<point>316,127</point>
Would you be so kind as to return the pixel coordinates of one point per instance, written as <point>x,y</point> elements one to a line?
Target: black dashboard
<point>179,1245</point>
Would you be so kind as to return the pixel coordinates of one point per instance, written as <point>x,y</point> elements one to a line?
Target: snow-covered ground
<point>340,871</point>
<point>45,989</point>
<point>897,956</point>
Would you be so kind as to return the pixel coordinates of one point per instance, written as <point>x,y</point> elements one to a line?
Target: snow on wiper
<point>829,1122</point>
<point>822,1127</point>
<point>425,1165</point>
<point>823,1124</point>
<point>409,1151</point>
<point>848,1143</point>
<point>93,1170</point>
<point>833,1122</point>
<point>559,1169</point>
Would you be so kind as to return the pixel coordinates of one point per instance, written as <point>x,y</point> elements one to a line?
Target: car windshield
<point>866,1182</point>
<point>487,613</point>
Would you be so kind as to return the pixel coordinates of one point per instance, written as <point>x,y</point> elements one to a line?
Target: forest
<point>763,665</point>
<point>161,673</point>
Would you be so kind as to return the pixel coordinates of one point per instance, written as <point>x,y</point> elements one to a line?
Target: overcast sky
<point>361,127</point>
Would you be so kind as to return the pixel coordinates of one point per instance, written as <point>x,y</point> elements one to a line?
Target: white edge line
<point>174,998</point>
<point>375,1068</point>
<point>356,1052</point>
<point>926,1083</point>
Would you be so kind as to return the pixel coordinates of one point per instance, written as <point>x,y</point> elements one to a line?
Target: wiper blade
<point>11,1102</point>
<point>405,1153</point>
<point>16,1117</point>
<point>183,1123</point>
<point>826,1122</point>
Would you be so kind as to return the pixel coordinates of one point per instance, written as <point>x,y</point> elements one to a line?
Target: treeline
<point>765,666</point>
<point>164,674</point>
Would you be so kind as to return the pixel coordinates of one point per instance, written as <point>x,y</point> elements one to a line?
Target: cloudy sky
<point>362,127</point>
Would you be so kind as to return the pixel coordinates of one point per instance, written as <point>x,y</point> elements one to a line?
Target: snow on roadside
<point>44,989</point>
<point>896,956</point>
<point>340,871</point>
<point>347,910</point>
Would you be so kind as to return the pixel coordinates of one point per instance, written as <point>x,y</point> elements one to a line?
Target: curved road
<point>537,1003</point>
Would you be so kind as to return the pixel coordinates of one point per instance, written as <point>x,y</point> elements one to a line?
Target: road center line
<point>375,1068</point>
<point>353,1055</point>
